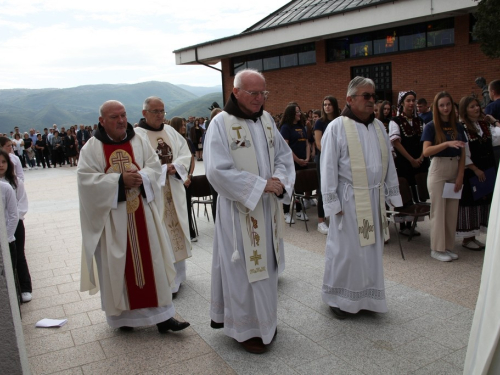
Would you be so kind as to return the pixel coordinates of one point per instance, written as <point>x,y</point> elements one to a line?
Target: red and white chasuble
<point>139,273</point>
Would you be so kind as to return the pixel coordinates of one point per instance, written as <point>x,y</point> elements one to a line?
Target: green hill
<point>41,108</point>
<point>197,107</point>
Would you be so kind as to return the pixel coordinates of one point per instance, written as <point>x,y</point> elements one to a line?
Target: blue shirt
<point>321,126</point>
<point>493,109</point>
<point>426,117</point>
<point>429,134</point>
<point>296,135</point>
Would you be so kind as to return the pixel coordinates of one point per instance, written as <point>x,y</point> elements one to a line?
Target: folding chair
<point>305,180</point>
<point>200,194</point>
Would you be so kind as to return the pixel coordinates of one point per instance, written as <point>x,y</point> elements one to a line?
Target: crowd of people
<point>464,136</point>
<point>138,229</point>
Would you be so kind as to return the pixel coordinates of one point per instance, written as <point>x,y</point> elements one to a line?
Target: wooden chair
<point>200,194</point>
<point>305,180</point>
<point>415,210</point>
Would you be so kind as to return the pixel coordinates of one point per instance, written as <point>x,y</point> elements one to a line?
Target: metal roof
<point>305,10</point>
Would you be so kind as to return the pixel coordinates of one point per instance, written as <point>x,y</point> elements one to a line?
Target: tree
<point>487,27</point>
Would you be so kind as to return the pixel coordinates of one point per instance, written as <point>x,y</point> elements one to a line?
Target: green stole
<point>252,223</point>
<point>364,214</point>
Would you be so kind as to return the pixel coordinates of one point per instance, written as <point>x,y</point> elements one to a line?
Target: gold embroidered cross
<point>255,257</point>
<point>120,160</point>
<point>237,128</point>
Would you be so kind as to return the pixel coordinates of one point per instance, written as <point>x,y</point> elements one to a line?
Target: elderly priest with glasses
<point>358,178</point>
<point>251,167</point>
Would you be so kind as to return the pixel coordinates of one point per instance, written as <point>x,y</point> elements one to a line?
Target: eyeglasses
<point>255,94</point>
<point>367,96</point>
<point>157,112</point>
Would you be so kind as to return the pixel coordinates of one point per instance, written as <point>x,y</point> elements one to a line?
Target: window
<point>303,54</point>
<point>385,41</point>
<point>307,54</point>
<point>289,57</point>
<point>405,38</point>
<point>412,37</point>
<point>361,45</point>
<point>440,33</point>
<point>337,49</point>
<point>381,76</point>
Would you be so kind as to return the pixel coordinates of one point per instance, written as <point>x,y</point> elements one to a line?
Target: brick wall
<point>453,69</point>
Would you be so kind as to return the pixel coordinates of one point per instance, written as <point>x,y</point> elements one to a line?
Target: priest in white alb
<point>251,167</point>
<point>357,178</point>
<point>483,351</point>
<point>124,240</point>
<point>175,158</point>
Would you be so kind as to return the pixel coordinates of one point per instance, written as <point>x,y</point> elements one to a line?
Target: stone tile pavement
<point>425,331</point>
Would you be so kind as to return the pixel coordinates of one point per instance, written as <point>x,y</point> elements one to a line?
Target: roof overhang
<point>388,14</point>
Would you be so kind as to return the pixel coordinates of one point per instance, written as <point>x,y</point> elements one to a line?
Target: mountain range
<point>40,108</point>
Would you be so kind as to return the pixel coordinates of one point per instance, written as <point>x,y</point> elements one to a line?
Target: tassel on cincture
<point>341,220</point>
<point>236,256</point>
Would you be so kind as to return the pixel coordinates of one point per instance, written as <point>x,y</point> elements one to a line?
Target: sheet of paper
<point>47,323</point>
<point>449,191</point>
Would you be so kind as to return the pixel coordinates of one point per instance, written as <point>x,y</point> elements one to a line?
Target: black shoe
<point>339,314</point>
<point>215,325</point>
<point>126,329</point>
<point>172,325</point>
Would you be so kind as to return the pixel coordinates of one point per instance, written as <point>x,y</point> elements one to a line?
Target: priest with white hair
<point>251,167</point>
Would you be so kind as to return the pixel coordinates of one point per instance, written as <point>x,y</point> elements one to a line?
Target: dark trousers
<point>23,272</point>
<point>21,157</point>
<point>214,201</point>
<point>192,231</point>
<point>57,156</point>
<point>321,211</point>
<point>40,158</point>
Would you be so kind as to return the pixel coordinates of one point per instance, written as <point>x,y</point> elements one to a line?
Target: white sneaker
<point>26,297</point>
<point>36,168</point>
<point>323,228</point>
<point>312,201</point>
<point>302,216</point>
<point>194,239</point>
<point>307,203</point>
<point>288,218</point>
<point>453,256</point>
<point>441,256</point>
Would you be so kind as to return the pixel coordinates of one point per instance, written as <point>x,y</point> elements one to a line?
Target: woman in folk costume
<point>405,131</point>
<point>357,178</point>
<point>473,213</point>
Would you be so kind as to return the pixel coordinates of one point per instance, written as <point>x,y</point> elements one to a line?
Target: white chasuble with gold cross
<point>364,214</point>
<point>252,223</point>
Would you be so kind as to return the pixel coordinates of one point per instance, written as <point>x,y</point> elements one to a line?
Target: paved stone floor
<point>425,331</point>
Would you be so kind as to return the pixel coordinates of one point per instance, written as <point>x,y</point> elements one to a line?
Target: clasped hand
<point>132,179</point>
<point>275,186</point>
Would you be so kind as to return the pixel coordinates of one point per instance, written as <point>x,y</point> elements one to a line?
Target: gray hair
<point>107,103</point>
<point>148,100</point>
<point>245,73</point>
<point>358,82</point>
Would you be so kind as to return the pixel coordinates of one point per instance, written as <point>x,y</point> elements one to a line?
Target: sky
<point>67,43</point>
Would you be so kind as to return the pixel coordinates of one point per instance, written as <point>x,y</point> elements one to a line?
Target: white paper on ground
<point>47,323</point>
<point>449,191</point>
